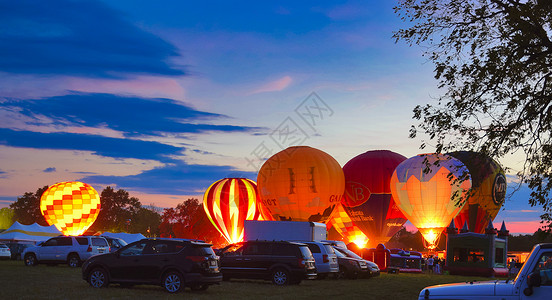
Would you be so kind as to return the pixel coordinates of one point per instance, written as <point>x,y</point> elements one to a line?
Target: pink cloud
<point>145,86</point>
<point>273,86</point>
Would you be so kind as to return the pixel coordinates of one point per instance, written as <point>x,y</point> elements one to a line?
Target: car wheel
<point>280,277</point>
<point>172,282</point>
<point>341,273</point>
<point>30,260</point>
<point>73,261</point>
<point>98,278</point>
<point>199,287</point>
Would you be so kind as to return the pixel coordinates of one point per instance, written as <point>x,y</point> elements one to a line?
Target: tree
<point>26,209</point>
<point>6,217</point>
<point>493,61</point>
<point>188,220</point>
<point>146,221</point>
<point>117,211</point>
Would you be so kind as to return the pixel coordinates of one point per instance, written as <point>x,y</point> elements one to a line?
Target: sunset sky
<point>162,98</point>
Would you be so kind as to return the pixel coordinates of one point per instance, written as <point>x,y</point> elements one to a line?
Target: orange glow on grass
<point>70,206</point>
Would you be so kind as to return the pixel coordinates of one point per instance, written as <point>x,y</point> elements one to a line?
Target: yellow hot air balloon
<point>71,206</point>
<point>301,184</point>
<point>430,190</point>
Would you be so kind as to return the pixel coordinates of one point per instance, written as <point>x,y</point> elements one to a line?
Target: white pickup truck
<point>534,281</point>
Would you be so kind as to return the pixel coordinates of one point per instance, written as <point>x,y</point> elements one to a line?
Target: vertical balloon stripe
<point>228,203</point>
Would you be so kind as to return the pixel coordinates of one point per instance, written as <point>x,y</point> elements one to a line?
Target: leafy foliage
<point>493,59</point>
<point>26,209</point>
<point>117,211</point>
<point>188,220</point>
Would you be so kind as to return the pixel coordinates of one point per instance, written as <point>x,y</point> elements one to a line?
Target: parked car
<point>281,262</point>
<point>350,267</point>
<point>324,257</point>
<point>171,263</point>
<point>5,252</point>
<point>373,269</point>
<point>114,243</point>
<point>17,249</point>
<point>72,250</point>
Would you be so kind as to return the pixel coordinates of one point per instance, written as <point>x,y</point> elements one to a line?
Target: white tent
<point>29,233</point>
<point>127,237</point>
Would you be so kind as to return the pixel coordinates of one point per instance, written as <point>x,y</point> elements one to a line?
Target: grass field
<point>61,282</point>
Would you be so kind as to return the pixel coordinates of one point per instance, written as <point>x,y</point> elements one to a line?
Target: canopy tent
<point>30,233</point>
<point>127,237</point>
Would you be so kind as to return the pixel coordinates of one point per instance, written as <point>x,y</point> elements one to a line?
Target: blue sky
<point>164,98</point>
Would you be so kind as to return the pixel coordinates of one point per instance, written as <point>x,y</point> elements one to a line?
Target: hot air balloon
<point>228,203</point>
<point>487,194</point>
<point>301,184</point>
<point>430,190</point>
<point>341,222</point>
<point>71,206</point>
<point>367,198</point>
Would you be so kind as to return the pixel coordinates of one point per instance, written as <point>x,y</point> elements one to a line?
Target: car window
<point>3,246</point>
<point>160,247</point>
<point>285,250</point>
<point>314,248</point>
<point>136,249</point>
<point>233,250</point>
<point>329,249</point>
<point>82,240</point>
<point>202,251</point>
<point>99,242</point>
<point>339,253</point>
<point>257,249</point>
<point>65,241</point>
<point>305,252</point>
<point>544,267</point>
<point>50,242</point>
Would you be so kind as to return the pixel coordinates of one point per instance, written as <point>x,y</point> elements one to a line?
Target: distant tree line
<point>122,213</point>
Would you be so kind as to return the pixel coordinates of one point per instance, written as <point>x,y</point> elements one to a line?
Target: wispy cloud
<point>49,170</point>
<point>273,86</point>
<point>85,38</point>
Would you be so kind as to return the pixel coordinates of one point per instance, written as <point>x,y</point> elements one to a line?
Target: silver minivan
<point>324,257</point>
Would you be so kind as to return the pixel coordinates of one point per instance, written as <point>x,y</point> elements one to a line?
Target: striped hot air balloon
<point>71,206</point>
<point>228,203</point>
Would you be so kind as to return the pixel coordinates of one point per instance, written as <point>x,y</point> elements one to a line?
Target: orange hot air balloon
<point>301,184</point>
<point>343,224</point>
<point>71,206</point>
<point>488,191</point>
<point>228,203</point>
<point>429,191</point>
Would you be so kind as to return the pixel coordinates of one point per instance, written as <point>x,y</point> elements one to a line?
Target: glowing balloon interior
<point>228,203</point>
<point>71,206</point>
<point>343,224</point>
<point>301,184</point>
<point>429,189</point>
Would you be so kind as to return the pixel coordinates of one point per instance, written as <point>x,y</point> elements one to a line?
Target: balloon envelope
<point>71,206</point>
<point>368,199</point>
<point>428,190</point>
<point>343,224</point>
<point>488,191</point>
<point>228,203</point>
<point>301,184</point>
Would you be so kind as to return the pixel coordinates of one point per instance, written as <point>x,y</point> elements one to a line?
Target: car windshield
<point>339,254</point>
<point>3,246</point>
<point>329,249</point>
<point>205,251</point>
<point>350,253</point>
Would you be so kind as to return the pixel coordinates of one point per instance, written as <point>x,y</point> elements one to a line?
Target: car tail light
<point>325,258</point>
<point>301,262</point>
<point>89,249</point>
<point>196,258</point>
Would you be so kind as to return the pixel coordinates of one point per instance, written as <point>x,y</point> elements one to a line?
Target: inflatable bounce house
<point>478,254</point>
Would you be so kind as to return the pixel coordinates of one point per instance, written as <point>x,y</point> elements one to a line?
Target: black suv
<point>171,263</point>
<point>282,262</point>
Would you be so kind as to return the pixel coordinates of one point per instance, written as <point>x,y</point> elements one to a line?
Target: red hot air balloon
<point>228,203</point>
<point>488,191</point>
<point>368,200</point>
